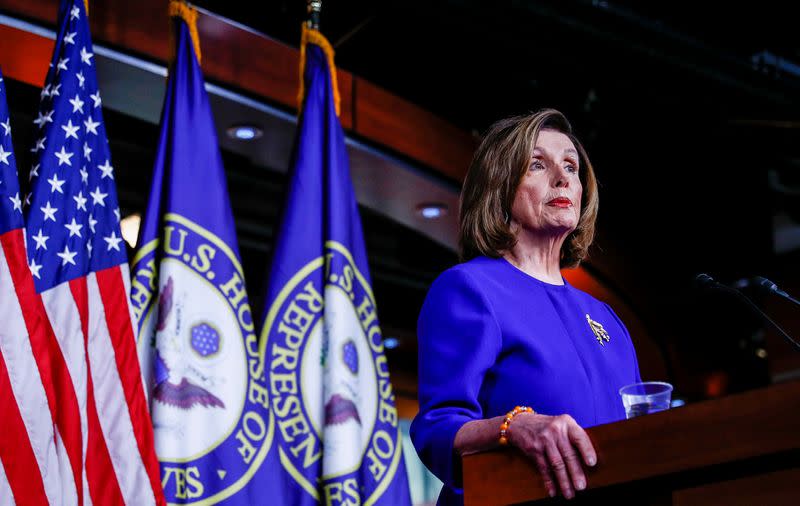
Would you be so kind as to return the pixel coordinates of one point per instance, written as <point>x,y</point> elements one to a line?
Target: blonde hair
<point>495,174</point>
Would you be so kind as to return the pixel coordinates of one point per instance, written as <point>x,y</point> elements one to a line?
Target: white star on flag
<point>45,92</point>
<point>39,145</point>
<point>63,157</point>
<point>77,103</point>
<point>91,126</point>
<point>107,170</point>
<point>98,197</point>
<point>89,248</point>
<point>80,201</point>
<point>62,64</point>
<point>16,201</point>
<point>41,240</point>
<point>54,90</point>
<point>35,269</point>
<point>56,184</point>
<point>7,127</point>
<point>74,228</point>
<point>34,172</point>
<point>43,119</point>
<point>92,223</point>
<point>96,98</point>
<point>113,241</point>
<point>49,212</point>
<point>81,79</point>
<point>72,130</point>
<point>4,155</point>
<point>74,13</point>
<point>67,256</point>
<point>87,151</point>
<point>84,175</point>
<point>70,38</point>
<point>86,55</point>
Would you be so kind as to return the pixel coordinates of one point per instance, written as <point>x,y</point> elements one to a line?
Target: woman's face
<point>548,199</point>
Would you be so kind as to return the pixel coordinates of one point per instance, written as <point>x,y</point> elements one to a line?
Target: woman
<point>504,329</point>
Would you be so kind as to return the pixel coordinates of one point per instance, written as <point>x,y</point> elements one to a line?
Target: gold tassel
<point>178,8</point>
<point>311,36</point>
<point>86,4</point>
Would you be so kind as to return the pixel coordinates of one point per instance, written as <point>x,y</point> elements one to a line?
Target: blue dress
<point>492,337</point>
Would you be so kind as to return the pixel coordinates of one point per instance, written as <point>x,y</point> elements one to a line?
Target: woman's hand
<point>553,442</point>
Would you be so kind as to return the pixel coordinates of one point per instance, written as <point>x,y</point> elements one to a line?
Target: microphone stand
<point>709,281</point>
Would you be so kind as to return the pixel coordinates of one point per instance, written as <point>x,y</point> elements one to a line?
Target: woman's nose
<point>561,178</point>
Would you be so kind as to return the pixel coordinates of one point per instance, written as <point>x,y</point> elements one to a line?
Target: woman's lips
<point>560,202</point>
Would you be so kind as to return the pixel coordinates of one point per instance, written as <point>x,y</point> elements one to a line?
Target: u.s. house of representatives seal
<point>329,383</point>
<point>210,412</point>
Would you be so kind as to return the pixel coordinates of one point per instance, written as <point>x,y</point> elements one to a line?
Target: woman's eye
<point>572,168</point>
<point>536,165</point>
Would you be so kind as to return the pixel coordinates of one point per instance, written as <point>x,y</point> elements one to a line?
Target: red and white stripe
<point>125,418</point>
<point>76,427</point>
<point>68,338</point>
<point>6,494</point>
<point>93,327</point>
<point>29,449</point>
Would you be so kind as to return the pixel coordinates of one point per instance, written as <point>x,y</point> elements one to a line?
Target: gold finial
<point>314,7</point>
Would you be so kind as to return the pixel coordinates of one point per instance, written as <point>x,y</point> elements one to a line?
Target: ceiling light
<point>130,228</point>
<point>244,132</point>
<point>432,210</point>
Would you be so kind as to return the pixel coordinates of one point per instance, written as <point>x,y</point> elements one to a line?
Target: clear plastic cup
<point>645,398</point>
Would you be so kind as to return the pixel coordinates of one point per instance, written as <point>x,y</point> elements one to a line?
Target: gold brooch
<point>599,332</point>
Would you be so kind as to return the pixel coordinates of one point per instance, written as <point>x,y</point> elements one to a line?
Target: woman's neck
<point>538,256</point>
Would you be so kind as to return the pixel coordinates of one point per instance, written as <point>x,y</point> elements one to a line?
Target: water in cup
<point>645,398</point>
<point>644,408</point>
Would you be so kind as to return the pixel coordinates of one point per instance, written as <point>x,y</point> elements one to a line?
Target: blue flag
<point>198,344</point>
<point>330,393</point>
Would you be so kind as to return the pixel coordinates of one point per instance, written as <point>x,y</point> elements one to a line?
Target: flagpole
<point>314,9</point>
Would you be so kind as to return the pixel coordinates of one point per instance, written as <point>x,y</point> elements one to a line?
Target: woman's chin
<point>560,227</point>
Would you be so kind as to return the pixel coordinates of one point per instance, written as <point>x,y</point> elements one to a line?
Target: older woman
<point>504,329</point>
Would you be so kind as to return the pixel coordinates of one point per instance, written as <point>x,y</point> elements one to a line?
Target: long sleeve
<point>459,341</point>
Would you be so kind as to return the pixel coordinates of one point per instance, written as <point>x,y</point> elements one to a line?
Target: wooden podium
<point>739,450</point>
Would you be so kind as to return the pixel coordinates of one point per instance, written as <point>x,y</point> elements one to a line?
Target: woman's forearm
<point>477,436</point>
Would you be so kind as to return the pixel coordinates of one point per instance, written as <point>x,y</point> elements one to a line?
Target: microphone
<point>766,286</point>
<point>706,281</point>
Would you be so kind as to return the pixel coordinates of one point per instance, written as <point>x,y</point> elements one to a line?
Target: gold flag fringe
<point>311,36</point>
<point>181,10</point>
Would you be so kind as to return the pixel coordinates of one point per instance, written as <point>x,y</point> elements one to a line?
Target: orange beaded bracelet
<point>507,421</point>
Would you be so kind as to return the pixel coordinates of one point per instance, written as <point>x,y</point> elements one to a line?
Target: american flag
<point>79,265</point>
<point>29,464</point>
